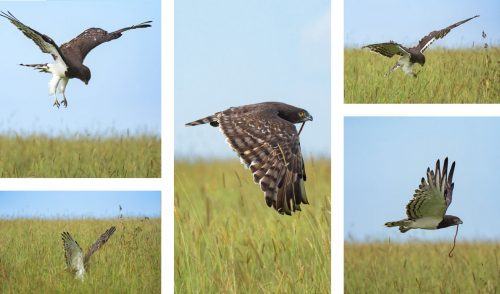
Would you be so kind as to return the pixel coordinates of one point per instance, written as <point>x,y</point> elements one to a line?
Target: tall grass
<point>32,256</point>
<point>228,241</point>
<point>449,76</point>
<point>39,156</point>
<point>421,268</point>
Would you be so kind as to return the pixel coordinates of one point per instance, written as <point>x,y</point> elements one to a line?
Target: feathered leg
<point>53,83</point>
<point>62,88</point>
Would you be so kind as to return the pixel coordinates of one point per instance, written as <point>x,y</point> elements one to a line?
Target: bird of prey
<point>410,56</point>
<point>431,200</point>
<point>68,58</point>
<point>76,262</point>
<point>266,140</point>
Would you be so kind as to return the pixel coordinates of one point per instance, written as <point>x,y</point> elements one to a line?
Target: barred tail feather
<point>42,67</point>
<point>212,120</point>
<point>402,224</point>
<point>394,224</point>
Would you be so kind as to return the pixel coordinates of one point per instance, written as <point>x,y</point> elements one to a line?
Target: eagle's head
<point>304,116</point>
<point>420,59</point>
<point>84,75</point>
<point>295,115</point>
<point>457,220</point>
<point>292,114</point>
<point>449,220</point>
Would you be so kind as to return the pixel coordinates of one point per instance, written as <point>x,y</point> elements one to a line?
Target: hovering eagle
<point>76,262</point>
<point>267,142</point>
<point>68,58</point>
<point>410,56</point>
<point>431,200</point>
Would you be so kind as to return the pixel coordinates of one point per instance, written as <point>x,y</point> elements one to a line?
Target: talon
<point>64,103</point>
<point>56,103</point>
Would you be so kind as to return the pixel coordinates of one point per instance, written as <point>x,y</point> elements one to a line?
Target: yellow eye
<point>302,114</point>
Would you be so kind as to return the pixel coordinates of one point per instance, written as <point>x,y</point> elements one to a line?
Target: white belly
<point>58,71</point>
<point>407,66</point>
<point>429,223</point>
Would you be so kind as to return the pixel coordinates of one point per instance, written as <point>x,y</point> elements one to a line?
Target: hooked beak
<point>460,222</point>
<point>309,118</point>
<point>86,82</point>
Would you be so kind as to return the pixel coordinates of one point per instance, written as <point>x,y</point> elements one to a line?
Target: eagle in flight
<point>266,140</point>
<point>431,200</point>
<point>68,58</point>
<point>76,262</point>
<point>410,56</point>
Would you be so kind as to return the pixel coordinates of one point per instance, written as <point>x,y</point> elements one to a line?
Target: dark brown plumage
<point>266,140</point>
<point>410,56</point>
<point>77,49</point>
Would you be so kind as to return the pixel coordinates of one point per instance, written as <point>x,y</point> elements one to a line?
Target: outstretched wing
<point>433,196</point>
<point>82,44</point>
<point>44,42</point>
<point>98,243</point>
<point>388,49</point>
<point>430,38</point>
<point>270,147</point>
<point>72,252</point>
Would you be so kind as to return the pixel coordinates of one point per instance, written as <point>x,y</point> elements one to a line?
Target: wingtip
<point>8,15</point>
<point>146,24</point>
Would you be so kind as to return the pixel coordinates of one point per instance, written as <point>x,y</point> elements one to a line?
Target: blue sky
<point>231,53</point>
<point>385,158</point>
<point>406,22</point>
<point>66,204</point>
<point>124,92</point>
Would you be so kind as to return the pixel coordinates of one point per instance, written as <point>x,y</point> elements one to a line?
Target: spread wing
<point>270,147</point>
<point>82,44</point>
<point>433,196</point>
<point>72,252</point>
<point>44,42</point>
<point>388,49</point>
<point>430,38</point>
<point>98,243</point>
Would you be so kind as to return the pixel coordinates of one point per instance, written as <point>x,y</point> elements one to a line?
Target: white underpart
<point>77,265</point>
<point>407,66</point>
<point>428,222</point>
<point>62,85</point>
<point>58,70</point>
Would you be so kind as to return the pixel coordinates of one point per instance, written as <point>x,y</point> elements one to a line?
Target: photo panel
<point>84,241</point>
<point>81,89</point>
<point>400,177</point>
<point>259,72</point>
<point>421,52</point>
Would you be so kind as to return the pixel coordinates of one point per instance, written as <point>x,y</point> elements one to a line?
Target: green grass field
<point>88,157</point>
<point>228,241</point>
<point>421,268</point>
<point>32,256</point>
<point>449,76</point>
